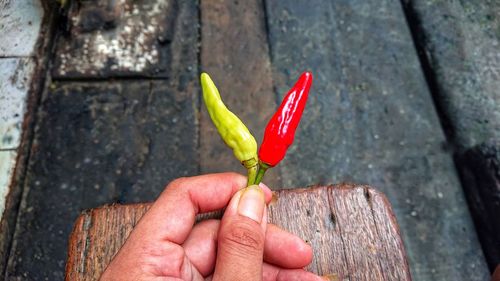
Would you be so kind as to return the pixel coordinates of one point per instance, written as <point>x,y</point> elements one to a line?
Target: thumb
<point>241,237</point>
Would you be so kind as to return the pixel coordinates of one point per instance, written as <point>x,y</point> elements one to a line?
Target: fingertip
<point>268,194</point>
<point>304,250</point>
<point>285,249</point>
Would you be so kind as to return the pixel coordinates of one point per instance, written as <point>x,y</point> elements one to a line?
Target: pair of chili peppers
<point>279,133</point>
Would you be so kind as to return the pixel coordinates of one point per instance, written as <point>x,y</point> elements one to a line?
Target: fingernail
<point>263,185</point>
<point>252,203</point>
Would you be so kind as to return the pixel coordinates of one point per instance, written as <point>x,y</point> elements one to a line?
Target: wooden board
<point>352,230</point>
<point>480,171</point>
<point>370,119</point>
<point>459,46</point>
<point>241,70</point>
<point>460,43</point>
<point>103,142</point>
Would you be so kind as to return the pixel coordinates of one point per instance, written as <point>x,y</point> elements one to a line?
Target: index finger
<point>173,214</point>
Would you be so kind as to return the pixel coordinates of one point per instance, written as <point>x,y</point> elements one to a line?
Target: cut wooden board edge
<point>376,200</point>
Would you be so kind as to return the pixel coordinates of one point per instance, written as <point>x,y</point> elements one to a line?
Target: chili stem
<point>252,173</point>
<point>262,171</point>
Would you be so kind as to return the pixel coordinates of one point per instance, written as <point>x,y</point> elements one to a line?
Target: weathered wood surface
<point>119,38</point>
<point>235,54</point>
<point>480,171</point>
<point>99,143</point>
<point>104,142</point>
<point>371,119</point>
<point>352,230</point>
<point>460,43</point>
<point>26,30</point>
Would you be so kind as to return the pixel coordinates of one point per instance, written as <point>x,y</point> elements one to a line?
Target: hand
<point>242,246</point>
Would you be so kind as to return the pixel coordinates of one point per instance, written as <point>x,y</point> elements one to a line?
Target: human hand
<point>242,246</point>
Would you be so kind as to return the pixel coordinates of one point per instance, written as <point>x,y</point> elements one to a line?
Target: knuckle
<point>243,235</point>
<point>178,183</point>
<point>162,259</point>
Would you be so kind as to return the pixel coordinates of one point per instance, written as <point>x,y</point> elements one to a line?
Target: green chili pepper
<point>234,133</point>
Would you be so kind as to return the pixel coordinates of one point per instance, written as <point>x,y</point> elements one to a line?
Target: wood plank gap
<point>107,79</point>
<point>198,105</point>
<point>418,38</point>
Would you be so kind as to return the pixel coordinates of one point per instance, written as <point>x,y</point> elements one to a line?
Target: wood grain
<point>352,230</point>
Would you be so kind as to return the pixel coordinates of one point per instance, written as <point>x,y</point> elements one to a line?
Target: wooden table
<point>352,230</point>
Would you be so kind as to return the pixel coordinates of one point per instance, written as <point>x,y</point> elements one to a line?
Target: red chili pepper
<point>280,130</point>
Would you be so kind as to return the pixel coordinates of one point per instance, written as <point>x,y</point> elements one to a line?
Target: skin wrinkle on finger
<point>201,246</point>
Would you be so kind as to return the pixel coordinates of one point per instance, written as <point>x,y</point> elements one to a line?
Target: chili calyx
<point>280,131</point>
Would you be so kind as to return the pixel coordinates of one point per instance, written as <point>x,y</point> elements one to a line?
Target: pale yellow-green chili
<point>232,130</point>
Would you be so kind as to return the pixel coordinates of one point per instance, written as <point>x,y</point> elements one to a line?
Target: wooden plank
<point>98,233</point>
<point>370,119</point>
<point>235,53</point>
<point>351,207</point>
<point>102,142</point>
<point>99,143</point>
<point>307,214</point>
<point>118,38</point>
<point>386,224</point>
<point>459,41</point>
<point>85,259</point>
<point>29,76</point>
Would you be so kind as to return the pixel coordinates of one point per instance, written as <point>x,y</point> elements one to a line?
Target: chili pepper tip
<point>231,129</point>
<point>280,131</point>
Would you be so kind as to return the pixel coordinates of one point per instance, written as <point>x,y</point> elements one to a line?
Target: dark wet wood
<point>242,73</point>
<point>99,143</point>
<point>370,119</point>
<point>459,46</point>
<point>105,142</point>
<point>480,171</point>
<point>354,233</point>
